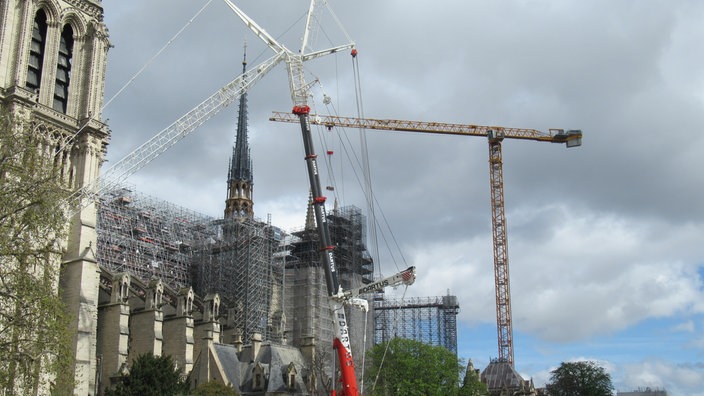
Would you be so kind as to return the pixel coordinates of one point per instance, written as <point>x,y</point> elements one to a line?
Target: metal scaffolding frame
<point>431,320</point>
<point>152,238</point>
<point>148,237</point>
<point>237,262</point>
<point>305,287</point>
<point>348,232</point>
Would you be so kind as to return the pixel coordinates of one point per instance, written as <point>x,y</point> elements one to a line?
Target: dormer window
<point>291,376</point>
<point>36,52</point>
<point>258,379</point>
<point>63,70</point>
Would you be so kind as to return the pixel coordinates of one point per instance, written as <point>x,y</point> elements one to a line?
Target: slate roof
<point>274,360</point>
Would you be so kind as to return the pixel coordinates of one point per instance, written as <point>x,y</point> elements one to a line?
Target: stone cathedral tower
<point>53,57</point>
<point>239,203</point>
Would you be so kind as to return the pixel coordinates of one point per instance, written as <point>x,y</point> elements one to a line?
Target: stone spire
<point>239,203</point>
<point>310,216</point>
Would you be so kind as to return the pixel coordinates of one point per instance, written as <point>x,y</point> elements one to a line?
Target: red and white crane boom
<point>406,277</point>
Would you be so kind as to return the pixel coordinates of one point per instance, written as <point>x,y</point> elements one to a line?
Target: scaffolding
<point>431,320</point>
<point>147,237</point>
<point>237,262</point>
<point>347,227</point>
<point>306,290</point>
<point>152,238</point>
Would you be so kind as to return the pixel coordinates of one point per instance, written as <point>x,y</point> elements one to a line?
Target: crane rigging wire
<point>369,195</point>
<point>365,186</point>
<point>386,348</point>
<point>371,199</point>
<point>157,54</point>
<point>129,82</point>
<point>354,159</point>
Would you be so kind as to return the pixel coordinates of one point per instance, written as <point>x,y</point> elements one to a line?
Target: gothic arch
<point>72,17</point>
<point>50,8</point>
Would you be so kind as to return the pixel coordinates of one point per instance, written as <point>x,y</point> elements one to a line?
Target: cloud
<point>590,276</point>
<point>677,379</point>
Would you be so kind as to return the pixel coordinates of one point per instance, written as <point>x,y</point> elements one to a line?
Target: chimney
<point>238,341</point>
<point>256,344</point>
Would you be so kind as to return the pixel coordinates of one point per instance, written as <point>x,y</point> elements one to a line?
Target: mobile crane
<point>351,297</point>
<point>495,135</point>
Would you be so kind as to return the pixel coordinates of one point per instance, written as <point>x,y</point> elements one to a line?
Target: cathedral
<point>235,299</point>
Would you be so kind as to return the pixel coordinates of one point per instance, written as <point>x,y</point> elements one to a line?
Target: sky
<point>605,241</point>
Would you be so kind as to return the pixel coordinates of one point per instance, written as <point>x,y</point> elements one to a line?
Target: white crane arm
<point>306,31</point>
<point>318,54</point>
<point>157,145</point>
<point>405,277</point>
<point>258,30</point>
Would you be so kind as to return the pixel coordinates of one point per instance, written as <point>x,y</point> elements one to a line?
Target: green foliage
<point>35,335</point>
<point>151,376</point>
<point>213,388</point>
<point>472,384</point>
<point>412,368</point>
<point>579,378</point>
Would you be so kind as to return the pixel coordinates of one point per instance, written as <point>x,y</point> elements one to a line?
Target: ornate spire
<point>310,216</point>
<point>239,203</point>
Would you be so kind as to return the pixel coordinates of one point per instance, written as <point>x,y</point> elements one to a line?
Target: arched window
<point>36,52</point>
<point>63,70</point>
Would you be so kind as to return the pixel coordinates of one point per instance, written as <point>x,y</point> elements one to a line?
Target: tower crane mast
<point>495,135</point>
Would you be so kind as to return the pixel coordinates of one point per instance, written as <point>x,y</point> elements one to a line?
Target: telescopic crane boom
<point>495,135</point>
<point>406,277</point>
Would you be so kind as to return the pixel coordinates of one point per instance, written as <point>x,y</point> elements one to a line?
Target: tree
<point>472,384</point>
<point>584,378</point>
<point>213,388</point>
<point>35,335</point>
<point>411,367</point>
<point>320,369</point>
<point>151,376</point>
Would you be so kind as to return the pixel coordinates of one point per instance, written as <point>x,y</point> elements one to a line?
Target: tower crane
<point>495,135</point>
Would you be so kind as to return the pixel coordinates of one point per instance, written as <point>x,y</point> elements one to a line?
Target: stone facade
<point>137,317</point>
<point>53,55</point>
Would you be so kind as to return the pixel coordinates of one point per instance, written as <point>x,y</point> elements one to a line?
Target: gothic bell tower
<point>239,203</point>
<point>53,55</point>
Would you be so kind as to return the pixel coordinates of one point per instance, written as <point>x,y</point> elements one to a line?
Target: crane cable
<point>355,161</point>
<point>372,202</point>
<point>368,192</point>
<point>137,74</point>
<point>386,349</point>
<point>366,185</point>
